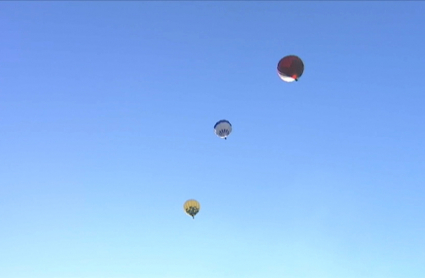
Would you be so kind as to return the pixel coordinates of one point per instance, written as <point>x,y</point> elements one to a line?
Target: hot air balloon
<point>290,68</point>
<point>223,128</point>
<point>192,207</point>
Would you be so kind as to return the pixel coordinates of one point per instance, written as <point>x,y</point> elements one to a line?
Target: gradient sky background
<point>106,128</point>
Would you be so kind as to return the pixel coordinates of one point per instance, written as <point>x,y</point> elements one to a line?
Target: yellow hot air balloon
<point>192,207</point>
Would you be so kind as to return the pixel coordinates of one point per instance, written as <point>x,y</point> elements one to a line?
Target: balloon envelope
<point>290,68</point>
<point>223,128</point>
<point>191,207</point>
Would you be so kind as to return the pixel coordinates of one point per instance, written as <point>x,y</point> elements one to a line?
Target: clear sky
<point>106,128</point>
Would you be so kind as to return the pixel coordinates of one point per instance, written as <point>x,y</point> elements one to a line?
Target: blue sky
<point>106,120</point>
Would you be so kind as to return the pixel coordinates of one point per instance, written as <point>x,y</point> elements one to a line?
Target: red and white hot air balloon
<point>290,68</point>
